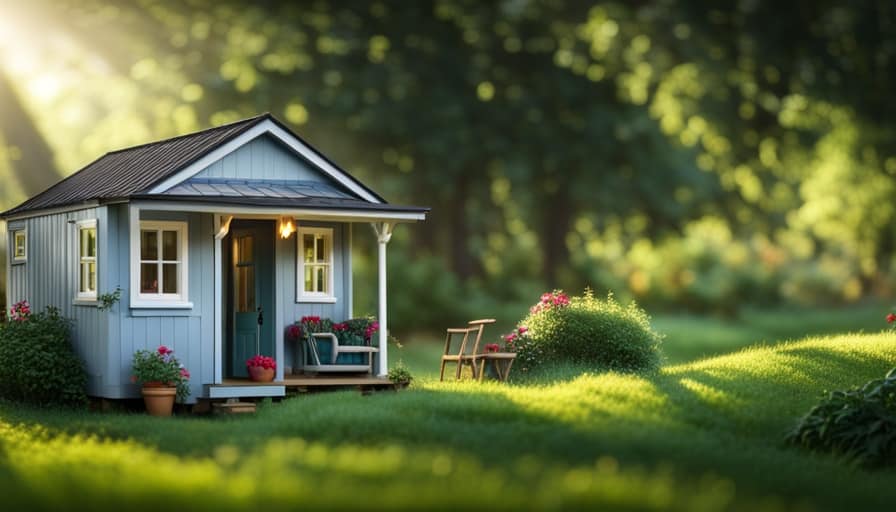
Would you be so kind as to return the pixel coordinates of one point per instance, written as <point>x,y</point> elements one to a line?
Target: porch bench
<point>332,366</point>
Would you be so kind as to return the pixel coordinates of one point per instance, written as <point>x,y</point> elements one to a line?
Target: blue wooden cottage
<point>208,236</point>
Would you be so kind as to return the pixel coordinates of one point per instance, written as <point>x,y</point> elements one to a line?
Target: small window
<point>162,271</point>
<point>19,246</point>
<point>87,262</point>
<point>315,265</point>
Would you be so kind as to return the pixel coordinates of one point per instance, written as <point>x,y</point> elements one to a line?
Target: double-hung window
<point>315,265</point>
<point>87,259</point>
<point>19,253</point>
<point>162,266</point>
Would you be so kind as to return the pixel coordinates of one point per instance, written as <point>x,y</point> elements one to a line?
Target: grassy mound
<point>699,436</point>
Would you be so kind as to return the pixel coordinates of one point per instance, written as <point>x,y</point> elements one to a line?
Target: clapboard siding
<point>190,333</point>
<point>49,277</point>
<point>263,159</point>
<point>107,340</point>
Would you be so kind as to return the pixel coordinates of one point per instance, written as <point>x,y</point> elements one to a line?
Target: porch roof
<point>279,203</point>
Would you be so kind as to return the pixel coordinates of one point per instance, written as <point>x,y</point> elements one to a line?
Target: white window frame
<point>81,225</point>
<point>160,299</point>
<point>15,232</point>
<point>301,294</point>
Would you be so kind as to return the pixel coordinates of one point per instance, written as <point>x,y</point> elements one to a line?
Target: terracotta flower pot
<point>261,374</point>
<point>159,400</point>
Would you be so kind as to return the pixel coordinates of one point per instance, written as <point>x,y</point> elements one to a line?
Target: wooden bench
<point>331,366</point>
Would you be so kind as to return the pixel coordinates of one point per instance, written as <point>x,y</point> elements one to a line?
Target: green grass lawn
<point>704,435</point>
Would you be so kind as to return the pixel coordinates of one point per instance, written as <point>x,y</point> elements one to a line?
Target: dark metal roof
<point>255,188</point>
<point>330,203</point>
<point>128,172</point>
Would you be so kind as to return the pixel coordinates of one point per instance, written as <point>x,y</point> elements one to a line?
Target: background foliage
<point>686,154</point>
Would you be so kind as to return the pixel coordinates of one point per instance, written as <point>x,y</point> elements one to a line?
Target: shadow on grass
<point>724,415</point>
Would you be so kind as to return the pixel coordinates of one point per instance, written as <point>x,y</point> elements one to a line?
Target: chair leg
<point>460,366</point>
<point>442,372</point>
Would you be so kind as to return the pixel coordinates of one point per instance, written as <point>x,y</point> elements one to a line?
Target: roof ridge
<point>191,134</point>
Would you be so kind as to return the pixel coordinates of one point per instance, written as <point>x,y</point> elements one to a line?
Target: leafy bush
<point>400,374</point>
<point>859,423</point>
<point>37,362</point>
<point>588,331</point>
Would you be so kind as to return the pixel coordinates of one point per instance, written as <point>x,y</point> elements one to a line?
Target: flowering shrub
<point>265,362</point>
<point>161,367</point>
<point>554,299</point>
<point>20,311</point>
<point>585,330</point>
<point>37,362</point>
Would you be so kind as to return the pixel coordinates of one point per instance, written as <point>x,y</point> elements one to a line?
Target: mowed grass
<point>705,435</point>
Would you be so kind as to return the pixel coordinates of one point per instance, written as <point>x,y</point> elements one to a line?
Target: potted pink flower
<point>163,379</point>
<point>261,368</point>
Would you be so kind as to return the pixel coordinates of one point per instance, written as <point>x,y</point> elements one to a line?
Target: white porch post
<point>383,235</point>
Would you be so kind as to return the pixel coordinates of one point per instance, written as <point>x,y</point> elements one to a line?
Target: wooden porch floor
<point>307,381</point>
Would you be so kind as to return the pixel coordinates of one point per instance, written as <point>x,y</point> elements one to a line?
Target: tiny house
<point>217,241</point>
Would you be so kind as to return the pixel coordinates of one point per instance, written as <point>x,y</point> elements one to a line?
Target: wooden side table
<point>500,361</point>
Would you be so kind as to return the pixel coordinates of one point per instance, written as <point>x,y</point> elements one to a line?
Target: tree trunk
<point>461,262</point>
<point>36,170</point>
<point>556,221</point>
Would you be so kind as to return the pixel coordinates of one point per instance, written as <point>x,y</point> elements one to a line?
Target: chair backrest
<point>454,334</point>
<point>479,326</point>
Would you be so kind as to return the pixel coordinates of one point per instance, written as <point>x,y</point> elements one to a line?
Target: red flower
<point>294,331</point>
<point>163,350</point>
<point>891,318</point>
<point>523,330</point>
<point>491,347</point>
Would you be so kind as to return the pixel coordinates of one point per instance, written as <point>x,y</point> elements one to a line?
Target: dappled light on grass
<point>701,436</point>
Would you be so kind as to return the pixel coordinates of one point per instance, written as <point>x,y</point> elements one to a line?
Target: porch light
<point>286,227</point>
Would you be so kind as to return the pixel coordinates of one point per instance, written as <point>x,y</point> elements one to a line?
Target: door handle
<point>260,316</point>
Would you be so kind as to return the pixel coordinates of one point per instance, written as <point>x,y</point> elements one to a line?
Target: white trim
<point>219,297</point>
<point>328,297</point>
<point>266,127</point>
<point>53,211</point>
<point>274,212</point>
<point>383,232</point>
<point>347,273</point>
<point>11,240</point>
<point>84,298</point>
<point>160,300</point>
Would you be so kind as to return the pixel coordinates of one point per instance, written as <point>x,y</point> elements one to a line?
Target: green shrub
<point>400,373</point>
<point>37,363</point>
<point>859,423</point>
<point>588,331</point>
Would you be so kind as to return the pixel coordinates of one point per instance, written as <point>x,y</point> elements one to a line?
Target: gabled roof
<point>141,170</point>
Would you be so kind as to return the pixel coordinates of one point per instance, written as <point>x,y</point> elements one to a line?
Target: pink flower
<point>491,347</point>
<point>523,330</point>
<point>891,318</point>
<point>510,337</point>
<point>184,373</point>
<point>164,351</point>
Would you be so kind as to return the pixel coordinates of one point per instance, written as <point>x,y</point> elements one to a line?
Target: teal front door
<point>251,293</point>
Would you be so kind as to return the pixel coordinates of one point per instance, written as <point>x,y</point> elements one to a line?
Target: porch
<point>245,388</point>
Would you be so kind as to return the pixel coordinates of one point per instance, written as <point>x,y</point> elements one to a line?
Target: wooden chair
<point>466,353</point>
